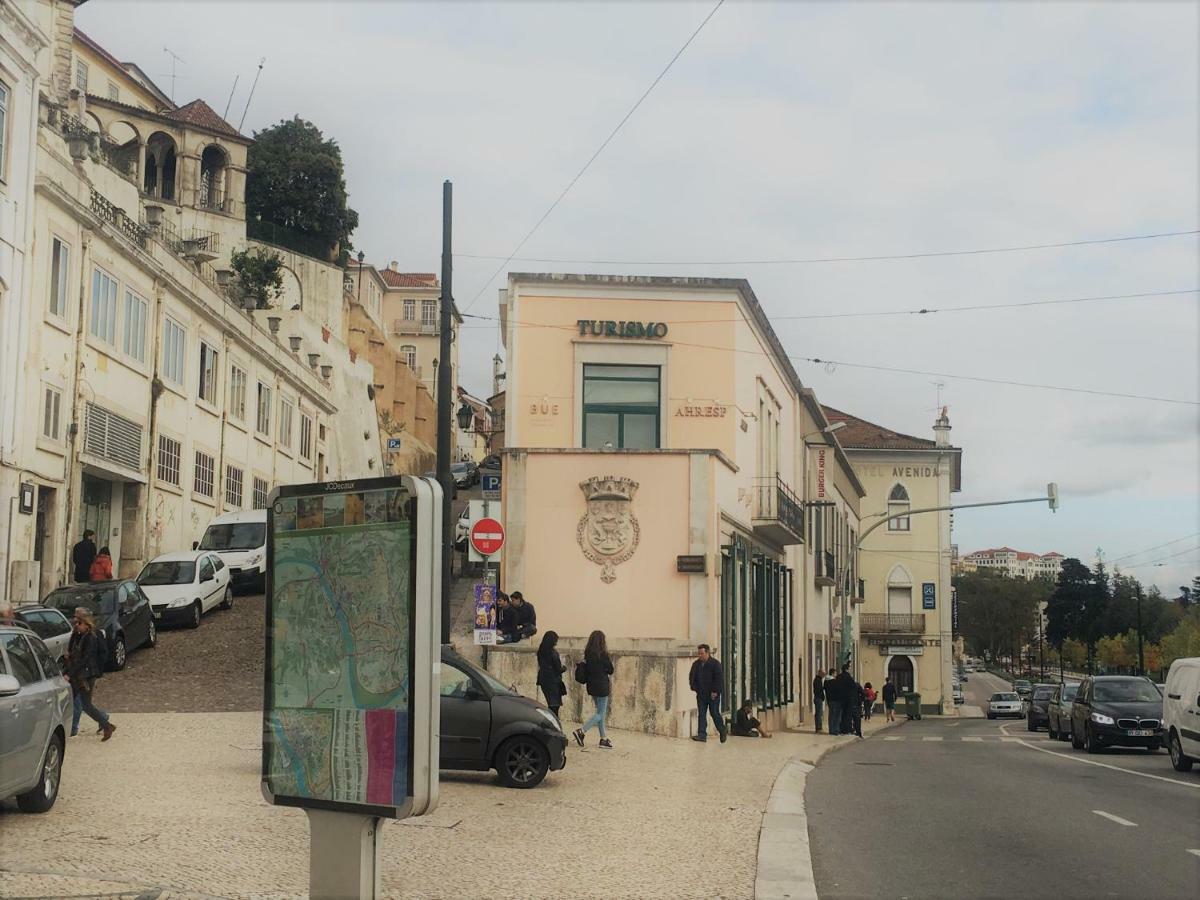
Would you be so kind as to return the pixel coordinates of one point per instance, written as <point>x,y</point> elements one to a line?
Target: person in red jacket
<point>101,569</point>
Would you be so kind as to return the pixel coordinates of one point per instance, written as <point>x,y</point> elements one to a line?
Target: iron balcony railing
<point>891,623</point>
<point>115,216</point>
<point>778,502</point>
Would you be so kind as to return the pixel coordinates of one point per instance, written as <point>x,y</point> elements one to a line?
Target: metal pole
<point>1141,659</point>
<point>444,404</point>
<point>343,859</point>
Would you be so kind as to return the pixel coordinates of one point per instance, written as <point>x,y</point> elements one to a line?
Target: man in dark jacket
<point>847,689</point>
<point>524,616</point>
<point>818,698</point>
<point>83,555</point>
<point>707,679</point>
<point>833,697</point>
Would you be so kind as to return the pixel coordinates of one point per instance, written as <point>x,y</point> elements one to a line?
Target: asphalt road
<point>971,808</point>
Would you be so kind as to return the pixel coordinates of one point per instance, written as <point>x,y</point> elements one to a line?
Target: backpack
<point>581,672</point>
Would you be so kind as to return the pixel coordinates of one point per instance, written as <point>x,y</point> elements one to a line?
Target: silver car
<point>50,625</point>
<point>1006,703</point>
<point>35,715</point>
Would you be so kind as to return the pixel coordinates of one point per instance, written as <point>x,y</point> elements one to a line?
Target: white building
<point>1014,563</point>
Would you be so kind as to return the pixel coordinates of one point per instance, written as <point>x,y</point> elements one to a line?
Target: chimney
<point>497,374</point>
<point>941,429</point>
<point>394,265</point>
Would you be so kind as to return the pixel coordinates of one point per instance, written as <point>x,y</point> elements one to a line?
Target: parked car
<point>487,726</point>
<point>1005,704</point>
<point>1037,709</point>
<point>1022,687</point>
<point>462,529</point>
<point>1181,713</point>
<point>465,474</point>
<point>959,697</point>
<point>121,610</point>
<point>1058,711</point>
<point>240,539</point>
<point>50,625</point>
<point>35,707</point>
<point>1113,710</point>
<point>184,586</point>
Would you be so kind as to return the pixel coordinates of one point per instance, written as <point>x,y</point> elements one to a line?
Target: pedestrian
<point>524,616</point>
<point>550,672</point>
<point>869,697</point>
<point>83,667</point>
<point>595,670</point>
<point>506,622</point>
<point>833,699</point>
<point>101,569</point>
<point>818,699</point>
<point>707,679</point>
<point>856,709</point>
<point>889,700</point>
<point>848,694</point>
<point>82,555</point>
<point>745,725</point>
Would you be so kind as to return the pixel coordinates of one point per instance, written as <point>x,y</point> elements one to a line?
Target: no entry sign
<point>487,537</point>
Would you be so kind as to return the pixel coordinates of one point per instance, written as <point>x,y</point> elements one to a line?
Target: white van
<point>240,538</point>
<point>1181,713</point>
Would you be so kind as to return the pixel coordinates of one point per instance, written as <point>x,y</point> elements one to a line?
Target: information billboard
<point>351,646</point>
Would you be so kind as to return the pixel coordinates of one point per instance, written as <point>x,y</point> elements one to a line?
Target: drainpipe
<point>156,390</point>
<point>72,460</point>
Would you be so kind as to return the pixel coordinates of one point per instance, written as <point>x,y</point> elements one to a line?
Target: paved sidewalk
<point>172,804</point>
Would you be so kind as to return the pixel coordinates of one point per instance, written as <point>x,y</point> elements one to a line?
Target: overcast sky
<point>800,130</point>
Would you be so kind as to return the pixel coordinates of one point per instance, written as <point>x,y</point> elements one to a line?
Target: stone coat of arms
<point>608,533</point>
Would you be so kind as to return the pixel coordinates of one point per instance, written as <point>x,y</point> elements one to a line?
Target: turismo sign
<point>609,328</point>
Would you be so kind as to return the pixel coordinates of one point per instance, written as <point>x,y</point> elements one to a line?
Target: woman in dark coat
<point>597,671</point>
<point>550,672</point>
<point>83,668</point>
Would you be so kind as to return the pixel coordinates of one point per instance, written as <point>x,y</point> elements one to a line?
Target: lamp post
<point>1141,659</point>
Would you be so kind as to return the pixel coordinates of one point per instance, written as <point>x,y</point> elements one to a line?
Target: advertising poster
<point>485,614</point>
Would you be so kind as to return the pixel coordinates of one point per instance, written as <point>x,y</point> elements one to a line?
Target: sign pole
<point>343,855</point>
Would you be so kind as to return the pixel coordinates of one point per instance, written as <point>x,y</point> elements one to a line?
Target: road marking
<point>1194,852</point>
<point>892,738</point>
<point>978,739</point>
<point>1011,740</point>
<point>1092,762</point>
<point>931,738</point>
<point>1116,819</point>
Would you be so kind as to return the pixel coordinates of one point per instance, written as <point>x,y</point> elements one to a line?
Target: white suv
<point>1181,713</point>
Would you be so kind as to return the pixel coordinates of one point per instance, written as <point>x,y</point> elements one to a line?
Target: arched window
<point>212,178</point>
<point>898,503</point>
<point>159,179</point>
<point>409,353</point>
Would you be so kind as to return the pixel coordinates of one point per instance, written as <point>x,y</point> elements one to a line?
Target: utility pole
<point>1141,659</point>
<point>444,403</point>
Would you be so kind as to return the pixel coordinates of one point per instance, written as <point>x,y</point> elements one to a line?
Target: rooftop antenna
<point>232,91</point>
<point>175,58</point>
<point>939,385</point>
<point>251,97</point>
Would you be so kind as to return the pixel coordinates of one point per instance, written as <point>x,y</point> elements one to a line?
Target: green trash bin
<point>912,705</point>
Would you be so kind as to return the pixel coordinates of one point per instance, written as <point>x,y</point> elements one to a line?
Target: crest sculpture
<point>608,533</point>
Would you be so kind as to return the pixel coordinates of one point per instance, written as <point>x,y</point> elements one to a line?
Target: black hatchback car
<point>121,610</point>
<point>487,726</point>
<point>1038,713</point>
<point>1110,710</point>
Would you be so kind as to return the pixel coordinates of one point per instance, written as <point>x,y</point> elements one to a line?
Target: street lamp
<point>828,429</point>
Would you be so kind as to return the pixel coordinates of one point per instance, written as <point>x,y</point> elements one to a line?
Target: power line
<point>592,158</point>
<point>1155,547</point>
<point>925,254</point>
<point>1162,559</point>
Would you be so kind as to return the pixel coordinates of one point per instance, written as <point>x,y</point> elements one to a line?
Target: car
<point>183,586</point>
<point>121,610</point>
<point>1037,707</point>
<point>959,697</point>
<point>493,462</point>
<point>462,474</point>
<point>1022,687</point>
<point>1181,713</point>
<point>462,529</point>
<point>240,539</point>
<point>485,725</point>
<point>50,625</point>
<point>1111,710</point>
<point>35,706</point>
<point>1005,704</point>
<point>1058,711</point>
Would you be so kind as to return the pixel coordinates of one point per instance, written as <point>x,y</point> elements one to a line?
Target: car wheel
<point>522,762</point>
<point>1090,744</point>
<point>120,654</point>
<point>152,635</point>
<point>227,600</point>
<point>1076,741</point>
<point>45,792</point>
<point>1180,760</point>
<point>194,621</point>
<point>991,715</point>
<point>1029,726</point>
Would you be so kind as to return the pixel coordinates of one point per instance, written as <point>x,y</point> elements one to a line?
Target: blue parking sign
<point>490,485</point>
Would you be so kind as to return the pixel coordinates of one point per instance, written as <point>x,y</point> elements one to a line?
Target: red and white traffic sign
<point>487,537</point>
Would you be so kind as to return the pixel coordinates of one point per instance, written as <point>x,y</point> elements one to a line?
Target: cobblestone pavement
<point>171,807</point>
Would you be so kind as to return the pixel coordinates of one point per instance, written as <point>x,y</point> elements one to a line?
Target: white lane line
<point>976,739</point>
<point>1092,762</point>
<point>1011,740</point>
<point>1116,819</point>
<point>931,738</point>
<point>1194,852</point>
<point>893,738</point>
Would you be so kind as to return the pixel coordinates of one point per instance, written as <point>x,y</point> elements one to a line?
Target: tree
<point>259,275</point>
<point>997,613</point>
<point>1184,641</point>
<point>295,178</point>
<point>1115,652</point>
<point>1065,608</point>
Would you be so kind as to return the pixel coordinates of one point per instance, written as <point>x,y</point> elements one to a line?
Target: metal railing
<point>775,500</point>
<point>101,148</point>
<point>289,239</point>
<point>891,623</point>
<point>115,216</point>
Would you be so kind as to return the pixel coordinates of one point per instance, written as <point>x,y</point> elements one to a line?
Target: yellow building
<point>655,466</point>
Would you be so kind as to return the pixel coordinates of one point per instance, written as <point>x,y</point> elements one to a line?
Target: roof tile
<point>860,434</point>
<point>202,115</point>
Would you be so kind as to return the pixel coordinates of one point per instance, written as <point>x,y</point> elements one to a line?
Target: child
<point>745,725</point>
<point>869,696</point>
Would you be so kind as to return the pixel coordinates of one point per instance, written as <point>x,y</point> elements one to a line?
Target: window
<point>134,342</point>
<point>4,93</point>
<point>898,503</point>
<point>174,338</point>
<point>104,307</point>
<point>114,92</point>
<point>264,410</point>
<point>60,264</point>
<point>428,312</point>
<point>233,487</point>
<point>409,353</point>
<point>170,453</point>
<point>620,406</point>
<point>208,374</point>
<point>202,480</point>
<point>306,436</point>
<point>410,310</point>
<point>51,413</point>
<point>237,393</point>
<point>20,657</point>
<point>286,411</point>
<point>261,489</point>
<point>81,74</point>
<point>455,683</point>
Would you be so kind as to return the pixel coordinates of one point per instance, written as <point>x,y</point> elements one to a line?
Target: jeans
<point>707,704</point>
<point>597,718</point>
<point>835,717</point>
<point>83,703</point>
<point>817,706</point>
<point>76,711</point>
<point>856,718</point>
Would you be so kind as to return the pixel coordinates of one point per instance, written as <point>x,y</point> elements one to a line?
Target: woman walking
<point>550,672</point>
<point>101,569</point>
<point>596,672</point>
<point>869,696</point>
<point>83,668</point>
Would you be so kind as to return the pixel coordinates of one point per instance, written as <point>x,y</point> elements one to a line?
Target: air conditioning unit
<point>24,582</point>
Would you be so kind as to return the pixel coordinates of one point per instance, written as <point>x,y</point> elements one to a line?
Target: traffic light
<point>1052,496</point>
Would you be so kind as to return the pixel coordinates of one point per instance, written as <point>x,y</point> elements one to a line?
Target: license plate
<point>158,615</point>
<point>1138,733</point>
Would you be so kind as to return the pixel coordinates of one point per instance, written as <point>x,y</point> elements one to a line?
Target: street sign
<point>928,595</point>
<point>393,445</point>
<point>487,536</point>
<point>490,485</point>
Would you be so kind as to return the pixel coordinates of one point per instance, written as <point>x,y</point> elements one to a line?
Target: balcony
<point>778,514</point>
<point>859,594</point>
<point>412,326</point>
<point>891,623</point>
<point>825,569</point>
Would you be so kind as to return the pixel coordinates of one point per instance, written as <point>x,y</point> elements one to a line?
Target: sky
<point>797,131</point>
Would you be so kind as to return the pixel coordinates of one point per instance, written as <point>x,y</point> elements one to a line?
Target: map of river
<point>337,724</point>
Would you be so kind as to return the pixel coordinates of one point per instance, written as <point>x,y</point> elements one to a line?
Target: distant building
<point>1013,563</point>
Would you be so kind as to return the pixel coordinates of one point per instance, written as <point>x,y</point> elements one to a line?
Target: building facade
<point>412,312</point>
<point>1014,563</point>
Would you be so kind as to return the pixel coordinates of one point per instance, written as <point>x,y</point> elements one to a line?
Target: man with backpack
<point>707,679</point>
